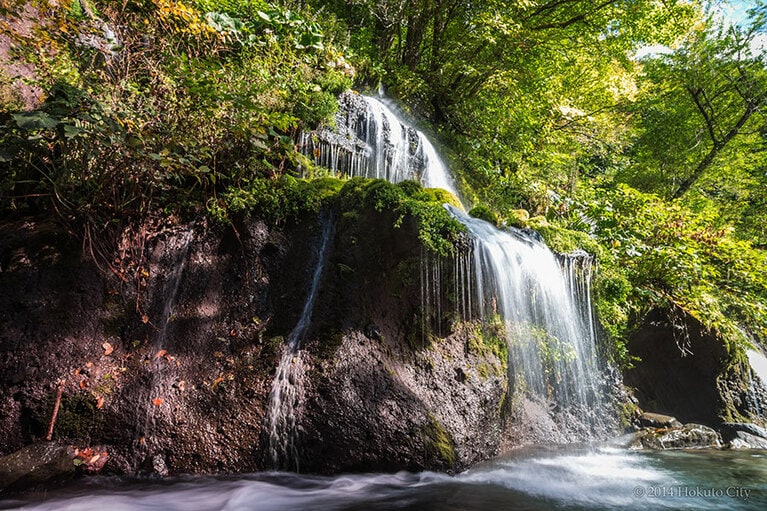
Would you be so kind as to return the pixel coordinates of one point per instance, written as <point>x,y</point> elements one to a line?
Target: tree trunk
<point>416,30</point>
<point>707,160</point>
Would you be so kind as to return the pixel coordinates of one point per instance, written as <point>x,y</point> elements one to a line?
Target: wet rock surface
<point>740,435</point>
<point>743,440</point>
<point>689,436</point>
<point>36,463</point>
<point>656,420</point>
<point>168,352</point>
<point>686,371</point>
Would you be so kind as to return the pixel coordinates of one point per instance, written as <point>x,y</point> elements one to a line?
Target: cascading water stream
<point>508,277</point>
<point>386,148</point>
<point>287,394</point>
<point>757,379</point>
<point>543,303</point>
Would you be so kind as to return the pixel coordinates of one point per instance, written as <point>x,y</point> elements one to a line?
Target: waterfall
<point>757,380</point>
<point>371,141</point>
<point>506,277</point>
<point>287,395</point>
<point>543,302</point>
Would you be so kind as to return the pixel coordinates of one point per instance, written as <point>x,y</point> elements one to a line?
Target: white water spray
<point>386,148</point>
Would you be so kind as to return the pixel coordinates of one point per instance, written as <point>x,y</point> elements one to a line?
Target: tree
<point>702,97</point>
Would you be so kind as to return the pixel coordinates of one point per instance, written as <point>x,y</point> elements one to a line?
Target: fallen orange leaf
<point>83,384</point>
<point>108,349</point>
<point>99,402</point>
<point>157,401</point>
<point>161,353</point>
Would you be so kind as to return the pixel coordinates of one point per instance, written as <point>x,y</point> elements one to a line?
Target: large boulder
<point>684,370</point>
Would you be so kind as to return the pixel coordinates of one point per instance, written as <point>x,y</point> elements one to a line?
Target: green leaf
<point>35,120</point>
<point>71,131</point>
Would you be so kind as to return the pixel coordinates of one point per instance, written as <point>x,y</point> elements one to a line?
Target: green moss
<point>437,230</point>
<point>627,412</point>
<point>443,197</point>
<point>78,417</point>
<point>408,272</point>
<point>489,339</point>
<point>565,241</point>
<point>275,343</point>
<point>485,213</point>
<point>518,218</point>
<point>538,222</point>
<point>438,443</point>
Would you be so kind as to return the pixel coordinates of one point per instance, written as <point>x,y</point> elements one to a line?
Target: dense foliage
<point>178,105</point>
<point>655,164</point>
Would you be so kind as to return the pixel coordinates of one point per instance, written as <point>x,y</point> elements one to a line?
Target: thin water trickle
<point>156,366</point>
<point>757,380</point>
<point>287,395</point>
<point>172,288</point>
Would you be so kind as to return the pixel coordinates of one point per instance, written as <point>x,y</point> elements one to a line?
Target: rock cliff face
<point>168,350</point>
<point>686,371</point>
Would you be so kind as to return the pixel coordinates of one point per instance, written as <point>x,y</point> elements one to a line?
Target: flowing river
<point>574,477</point>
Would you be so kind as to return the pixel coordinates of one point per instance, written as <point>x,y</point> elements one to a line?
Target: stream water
<point>571,477</point>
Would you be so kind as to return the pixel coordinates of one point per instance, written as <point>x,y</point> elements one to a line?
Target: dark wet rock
<point>36,463</point>
<point>689,436</point>
<point>743,435</point>
<point>743,440</point>
<point>168,358</point>
<point>656,420</point>
<point>686,371</point>
<point>378,407</point>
